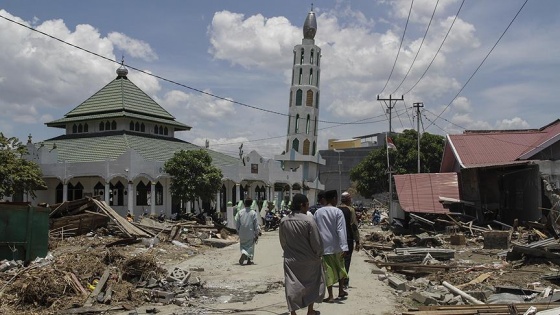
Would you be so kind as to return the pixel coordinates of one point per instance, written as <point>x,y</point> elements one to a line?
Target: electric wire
<point>483,60</point>
<point>158,76</point>
<point>439,49</point>
<point>399,50</point>
<point>419,48</point>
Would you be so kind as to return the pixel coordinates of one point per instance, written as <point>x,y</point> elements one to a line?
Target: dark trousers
<point>348,259</point>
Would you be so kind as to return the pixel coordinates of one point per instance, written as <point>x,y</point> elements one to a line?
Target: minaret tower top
<point>310,25</point>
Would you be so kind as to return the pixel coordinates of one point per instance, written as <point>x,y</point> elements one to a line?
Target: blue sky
<point>242,50</point>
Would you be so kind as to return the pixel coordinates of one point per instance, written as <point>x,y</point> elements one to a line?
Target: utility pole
<point>390,105</point>
<point>417,106</point>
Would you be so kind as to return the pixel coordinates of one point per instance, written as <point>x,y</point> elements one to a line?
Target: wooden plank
<point>93,296</point>
<point>126,227</point>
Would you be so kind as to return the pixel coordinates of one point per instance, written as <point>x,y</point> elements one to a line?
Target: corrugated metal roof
<point>109,147</point>
<point>421,192</point>
<point>484,148</point>
<point>62,121</point>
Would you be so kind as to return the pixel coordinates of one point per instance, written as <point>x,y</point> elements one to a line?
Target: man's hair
<point>297,201</point>
<point>330,195</point>
<point>320,195</point>
<point>248,202</point>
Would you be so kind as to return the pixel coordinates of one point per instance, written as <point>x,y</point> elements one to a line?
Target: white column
<point>153,198</point>
<point>238,192</point>
<point>130,196</point>
<point>107,192</point>
<point>65,192</point>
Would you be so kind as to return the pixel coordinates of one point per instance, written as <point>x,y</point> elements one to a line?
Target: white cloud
<point>514,123</point>
<point>133,47</point>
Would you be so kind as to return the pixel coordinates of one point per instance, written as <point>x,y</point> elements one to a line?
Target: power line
<point>437,52</point>
<point>400,45</point>
<point>483,60</point>
<point>160,77</point>
<point>419,48</point>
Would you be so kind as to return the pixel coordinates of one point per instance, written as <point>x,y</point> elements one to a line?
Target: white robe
<point>248,229</point>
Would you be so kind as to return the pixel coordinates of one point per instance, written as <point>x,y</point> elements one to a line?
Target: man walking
<point>352,232</point>
<point>303,249</point>
<point>248,228</point>
<point>332,228</point>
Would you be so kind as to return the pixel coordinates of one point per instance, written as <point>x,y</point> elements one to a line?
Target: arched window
<point>114,125</point>
<point>300,75</point>
<point>58,193</point>
<point>85,128</point>
<point>295,145</point>
<point>165,131</point>
<point>107,125</point>
<point>159,194</point>
<point>101,126</point>
<point>136,126</point>
<point>297,124</point>
<point>80,128</point>
<point>75,192</point>
<point>301,57</point>
<point>310,76</point>
<point>311,56</point>
<point>299,96</point>
<point>306,147</point>
<point>307,124</point>
<point>160,130</point>
<point>98,189</point>
<point>317,100</point>
<point>131,126</point>
<point>309,98</point>
<point>315,133</point>
<point>142,127</point>
<point>314,148</point>
<point>74,128</point>
<point>142,192</point>
<point>116,194</point>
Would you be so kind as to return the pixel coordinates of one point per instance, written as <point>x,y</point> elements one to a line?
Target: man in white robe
<point>248,229</point>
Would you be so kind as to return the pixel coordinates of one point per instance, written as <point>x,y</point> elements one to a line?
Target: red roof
<point>480,148</point>
<point>421,192</point>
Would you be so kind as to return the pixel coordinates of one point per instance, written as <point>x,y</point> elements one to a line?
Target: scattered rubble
<point>100,262</point>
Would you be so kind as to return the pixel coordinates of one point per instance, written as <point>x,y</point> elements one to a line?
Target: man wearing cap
<point>352,232</point>
<point>248,230</point>
<point>332,228</point>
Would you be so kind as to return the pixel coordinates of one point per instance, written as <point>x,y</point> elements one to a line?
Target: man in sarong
<point>248,229</point>
<point>352,232</point>
<point>332,228</point>
<point>303,249</point>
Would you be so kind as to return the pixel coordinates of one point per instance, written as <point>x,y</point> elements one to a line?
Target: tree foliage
<point>193,176</point>
<point>371,175</point>
<point>17,175</point>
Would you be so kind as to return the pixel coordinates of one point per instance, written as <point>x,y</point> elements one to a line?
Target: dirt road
<point>258,289</point>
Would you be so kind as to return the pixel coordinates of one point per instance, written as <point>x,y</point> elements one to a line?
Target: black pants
<point>348,258</point>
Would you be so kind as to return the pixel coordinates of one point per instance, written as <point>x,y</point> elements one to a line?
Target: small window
<point>301,57</point>
<point>74,128</point>
<point>299,96</point>
<point>309,98</point>
<point>307,124</point>
<point>306,147</point>
<point>297,123</point>
<point>315,126</point>
<point>80,128</point>
<point>300,76</point>
<point>160,130</point>
<point>101,126</point>
<point>311,56</point>
<point>136,126</point>
<point>310,76</point>
<point>159,194</point>
<point>85,128</point>
<point>289,121</point>
<point>142,192</point>
<point>142,127</point>
<point>295,145</point>
<point>314,148</point>
<point>107,125</point>
<point>114,125</point>
<point>131,126</point>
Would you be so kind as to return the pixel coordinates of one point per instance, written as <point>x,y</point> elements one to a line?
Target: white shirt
<point>332,228</point>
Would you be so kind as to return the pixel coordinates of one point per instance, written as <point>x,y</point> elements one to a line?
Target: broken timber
<point>495,309</point>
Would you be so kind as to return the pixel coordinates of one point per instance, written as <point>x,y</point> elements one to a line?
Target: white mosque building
<point>116,142</point>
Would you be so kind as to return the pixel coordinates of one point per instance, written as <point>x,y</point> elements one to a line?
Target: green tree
<point>193,177</point>
<point>370,174</point>
<point>17,175</point>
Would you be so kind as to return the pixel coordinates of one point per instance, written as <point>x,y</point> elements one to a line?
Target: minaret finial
<point>122,71</point>
<point>311,6</point>
<point>122,58</point>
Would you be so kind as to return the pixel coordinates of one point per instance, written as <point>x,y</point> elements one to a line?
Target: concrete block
<point>496,239</point>
<point>447,298</point>
<point>458,239</point>
<point>162,296</point>
<point>178,275</point>
<point>382,277</point>
<point>398,283</point>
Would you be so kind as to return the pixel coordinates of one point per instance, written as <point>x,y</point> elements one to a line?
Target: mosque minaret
<point>301,143</point>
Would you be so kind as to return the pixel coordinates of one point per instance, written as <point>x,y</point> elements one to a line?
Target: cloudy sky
<point>480,78</point>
